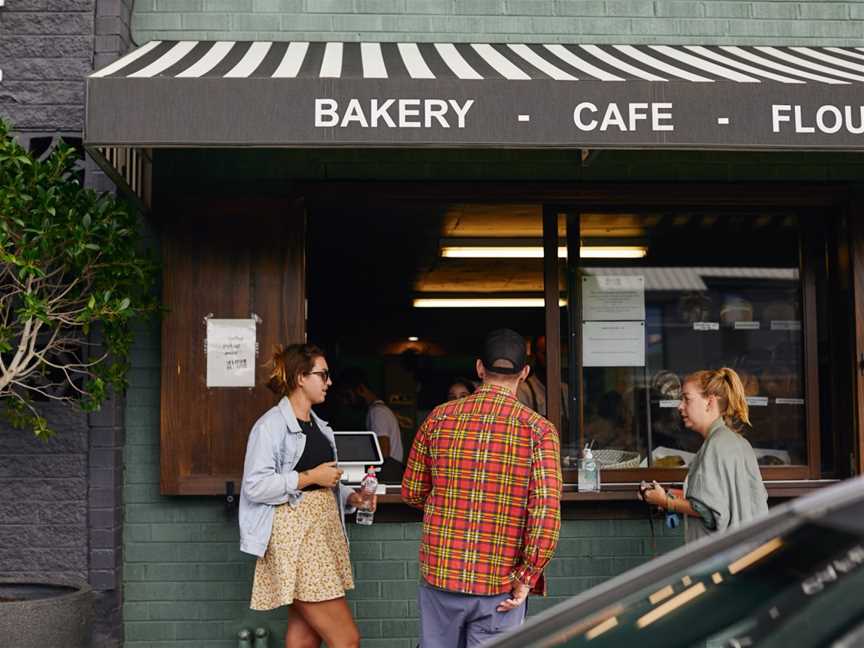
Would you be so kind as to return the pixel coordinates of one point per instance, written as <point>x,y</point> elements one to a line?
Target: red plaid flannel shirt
<point>486,471</point>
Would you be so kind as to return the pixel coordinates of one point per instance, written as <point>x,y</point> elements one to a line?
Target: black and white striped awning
<point>299,94</point>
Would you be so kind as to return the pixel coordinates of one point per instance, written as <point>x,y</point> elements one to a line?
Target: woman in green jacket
<point>724,486</point>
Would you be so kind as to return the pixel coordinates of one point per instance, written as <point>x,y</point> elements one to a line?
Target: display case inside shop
<point>696,300</point>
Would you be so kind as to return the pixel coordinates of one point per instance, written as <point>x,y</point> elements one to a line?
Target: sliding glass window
<point>661,295</point>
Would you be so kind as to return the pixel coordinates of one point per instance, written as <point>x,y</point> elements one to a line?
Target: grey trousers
<point>455,620</point>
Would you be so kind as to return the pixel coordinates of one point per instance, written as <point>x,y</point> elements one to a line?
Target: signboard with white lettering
<point>230,352</point>
<point>492,112</point>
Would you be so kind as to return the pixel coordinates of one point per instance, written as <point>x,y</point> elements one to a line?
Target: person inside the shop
<point>292,507</point>
<point>495,460</point>
<point>379,417</point>
<point>723,487</point>
<point>460,388</point>
<point>532,392</point>
<point>606,424</point>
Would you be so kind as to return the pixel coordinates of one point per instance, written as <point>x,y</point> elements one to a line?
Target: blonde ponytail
<point>737,410</point>
<point>725,385</point>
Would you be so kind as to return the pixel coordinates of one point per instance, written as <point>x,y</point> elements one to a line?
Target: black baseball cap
<point>507,345</point>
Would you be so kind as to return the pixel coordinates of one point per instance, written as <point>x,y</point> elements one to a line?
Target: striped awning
<point>300,94</point>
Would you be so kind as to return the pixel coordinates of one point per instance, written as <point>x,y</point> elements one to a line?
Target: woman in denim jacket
<point>292,507</point>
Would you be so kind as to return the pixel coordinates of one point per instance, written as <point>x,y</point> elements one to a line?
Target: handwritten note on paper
<point>230,352</point>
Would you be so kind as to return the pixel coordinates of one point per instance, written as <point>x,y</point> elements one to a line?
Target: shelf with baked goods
<point>776,436</point>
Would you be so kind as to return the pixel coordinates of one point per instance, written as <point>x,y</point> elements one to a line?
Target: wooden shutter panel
<point>230,260</point>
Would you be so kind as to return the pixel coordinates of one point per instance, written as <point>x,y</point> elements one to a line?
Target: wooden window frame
<point>708,201</point>
<point>800,198</point>
<point>856,230</point>
<point>807,200</point>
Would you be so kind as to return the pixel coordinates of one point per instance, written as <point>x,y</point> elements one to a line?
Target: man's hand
<point>517,597</point>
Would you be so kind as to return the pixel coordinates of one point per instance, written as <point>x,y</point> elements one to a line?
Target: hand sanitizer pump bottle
<point>588,479</point>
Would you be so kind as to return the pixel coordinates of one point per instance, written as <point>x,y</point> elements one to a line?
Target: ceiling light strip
<point>482,302</point>
<point>536,252</point>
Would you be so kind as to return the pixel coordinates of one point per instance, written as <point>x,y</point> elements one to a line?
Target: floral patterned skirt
<point>307,557</point>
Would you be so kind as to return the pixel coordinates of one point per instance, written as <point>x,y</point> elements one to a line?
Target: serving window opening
<point>405,292</point>
<point>393,297</point>
<point>689,290</point>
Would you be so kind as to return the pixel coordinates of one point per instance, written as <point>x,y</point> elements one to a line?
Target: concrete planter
<point>39,613</point>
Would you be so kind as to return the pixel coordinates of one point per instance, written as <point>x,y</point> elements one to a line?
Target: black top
<point>317,451</point>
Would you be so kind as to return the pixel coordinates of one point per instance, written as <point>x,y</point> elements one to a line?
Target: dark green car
<point>794,579</point>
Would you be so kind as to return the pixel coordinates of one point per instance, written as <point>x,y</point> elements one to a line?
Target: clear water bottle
<point>368,487</point>
<point>588,476</point>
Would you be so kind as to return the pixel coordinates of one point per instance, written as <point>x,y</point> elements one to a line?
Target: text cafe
<point>637,213</point>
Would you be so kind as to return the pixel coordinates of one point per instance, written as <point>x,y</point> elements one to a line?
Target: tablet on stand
<point>355,452</point>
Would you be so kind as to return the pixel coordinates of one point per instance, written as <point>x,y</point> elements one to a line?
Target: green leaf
<point>51,226</point>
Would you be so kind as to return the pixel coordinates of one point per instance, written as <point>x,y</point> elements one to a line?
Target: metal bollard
<point>262,638</point>
<point>244,638</point>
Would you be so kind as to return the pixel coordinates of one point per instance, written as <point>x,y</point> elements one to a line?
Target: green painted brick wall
<point>186,584</point>
<point>589,21</point>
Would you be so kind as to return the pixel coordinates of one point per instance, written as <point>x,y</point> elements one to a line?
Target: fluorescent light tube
<point>497,252</point>
<point>536,252</point>
<point>612,251</point>
<point>482,302</point>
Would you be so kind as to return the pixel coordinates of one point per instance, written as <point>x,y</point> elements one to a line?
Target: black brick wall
<point>105,520</point>
<point>46,50</point>
<point>43,499</point>
<point>61,501</point>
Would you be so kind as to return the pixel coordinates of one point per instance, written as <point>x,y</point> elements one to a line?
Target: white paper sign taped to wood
<point>230,352</point>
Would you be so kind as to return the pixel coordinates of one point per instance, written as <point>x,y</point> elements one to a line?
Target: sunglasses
<point>325,374</point>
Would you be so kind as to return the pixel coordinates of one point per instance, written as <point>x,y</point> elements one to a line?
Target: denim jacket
<point>274,447</point>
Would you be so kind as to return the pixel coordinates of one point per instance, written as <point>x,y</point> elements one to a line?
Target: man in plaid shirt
<point>486,471</point>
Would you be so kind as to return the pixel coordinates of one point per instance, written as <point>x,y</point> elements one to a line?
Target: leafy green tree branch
<point>70,265</point>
